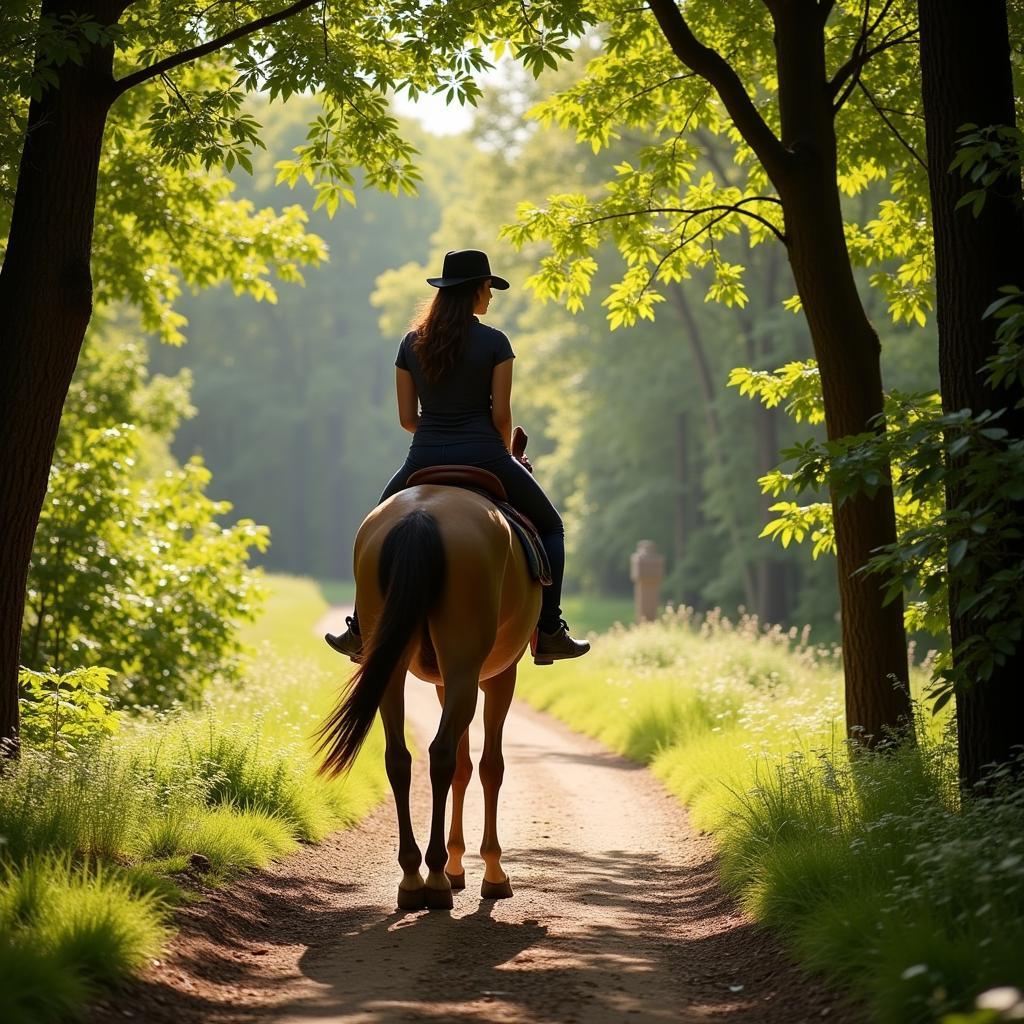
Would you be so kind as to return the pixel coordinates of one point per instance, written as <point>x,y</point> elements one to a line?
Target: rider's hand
<point>525,463</point>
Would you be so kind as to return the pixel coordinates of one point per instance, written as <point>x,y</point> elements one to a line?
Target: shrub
<point>61,711</point>
<point>131,570</point>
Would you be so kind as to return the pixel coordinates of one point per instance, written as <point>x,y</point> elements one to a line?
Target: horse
<point>445,591</point>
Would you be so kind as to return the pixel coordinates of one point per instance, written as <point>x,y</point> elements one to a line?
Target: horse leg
<point>398,762</point>
<point>456,715</point>
<point>460,783</point>
<point>497,700</point>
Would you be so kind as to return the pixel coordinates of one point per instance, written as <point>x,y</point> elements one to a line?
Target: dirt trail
<point>617,916</point>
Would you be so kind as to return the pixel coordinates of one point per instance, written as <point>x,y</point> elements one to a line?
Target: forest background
<point>633,432</point>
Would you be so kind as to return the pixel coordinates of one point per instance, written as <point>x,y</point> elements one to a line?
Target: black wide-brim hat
<point>464,265</point>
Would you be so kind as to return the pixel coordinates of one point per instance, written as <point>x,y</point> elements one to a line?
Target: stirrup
<point>349,643</point>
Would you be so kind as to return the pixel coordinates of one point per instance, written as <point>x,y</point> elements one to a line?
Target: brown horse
<point>444,592</point>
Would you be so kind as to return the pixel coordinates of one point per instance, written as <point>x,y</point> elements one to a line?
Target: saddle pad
<point>536,556</point>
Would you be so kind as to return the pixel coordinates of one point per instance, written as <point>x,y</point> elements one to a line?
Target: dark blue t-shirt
<point>458,406</point>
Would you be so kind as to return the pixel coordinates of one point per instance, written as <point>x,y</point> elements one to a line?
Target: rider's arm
<point>501,400</point>
<point>408,401</point>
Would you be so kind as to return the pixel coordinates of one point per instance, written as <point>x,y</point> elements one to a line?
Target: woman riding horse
<point>454,381</point>
<point>444,587</point>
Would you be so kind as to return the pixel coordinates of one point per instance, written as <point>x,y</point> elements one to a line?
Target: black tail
<point>411,579</point>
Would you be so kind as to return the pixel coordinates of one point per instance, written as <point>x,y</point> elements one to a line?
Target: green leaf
<point>957,550</point>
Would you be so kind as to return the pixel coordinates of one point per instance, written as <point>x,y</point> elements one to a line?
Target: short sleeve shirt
<point>458,406</point>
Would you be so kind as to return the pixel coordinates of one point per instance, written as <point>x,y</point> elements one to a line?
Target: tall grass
<point>65,931</point>
<point>97,843</point>
<point>869,867</point>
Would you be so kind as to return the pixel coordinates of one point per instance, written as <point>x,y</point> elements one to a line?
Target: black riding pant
<point>523,492</point>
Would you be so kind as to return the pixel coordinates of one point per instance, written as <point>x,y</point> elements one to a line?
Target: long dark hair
<point>442,327</point>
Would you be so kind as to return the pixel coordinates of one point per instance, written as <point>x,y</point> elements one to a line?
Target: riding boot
<point>350,642</point>
<point>557,646</point>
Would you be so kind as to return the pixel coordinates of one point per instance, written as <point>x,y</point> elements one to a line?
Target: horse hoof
<point>438,899</point>
<point>458,881</point>
<point>411,899</point>
<point>496,890</point>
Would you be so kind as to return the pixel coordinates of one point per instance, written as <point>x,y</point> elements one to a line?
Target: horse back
<point>487,605</point>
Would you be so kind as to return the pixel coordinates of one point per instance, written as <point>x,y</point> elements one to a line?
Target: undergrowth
<point>870,867</point>
<point>99,839</point>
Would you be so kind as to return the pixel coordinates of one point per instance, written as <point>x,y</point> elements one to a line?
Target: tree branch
<point>861,53</point>
<point>725,208</point>
<point>712,66</point>
<point>881,113</point>
<point>854,76</point>
<point>186,56</point>
<point>643,92</point>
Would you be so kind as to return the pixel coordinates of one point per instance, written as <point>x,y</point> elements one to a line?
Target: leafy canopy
<point>164,212</point>
<point>669,208</point>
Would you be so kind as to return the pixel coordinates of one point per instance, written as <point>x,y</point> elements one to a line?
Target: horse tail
<point>411,572</point>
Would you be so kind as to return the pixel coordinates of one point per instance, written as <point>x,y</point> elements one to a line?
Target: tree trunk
<point>847,350</point>
<point>686,517</point>
<point>45,306</point>
<point>772,571</point>
<point>681,512</point>
<point>716,435</point>
<point>967,78</point>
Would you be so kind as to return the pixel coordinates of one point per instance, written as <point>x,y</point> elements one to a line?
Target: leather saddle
<point>486,484</point>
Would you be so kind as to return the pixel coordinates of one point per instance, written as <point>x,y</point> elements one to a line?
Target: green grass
<point>122,828</point>
<point>338,592</point>
<point>871,870</point>
<point>65,932</point>
<point>591,613</point>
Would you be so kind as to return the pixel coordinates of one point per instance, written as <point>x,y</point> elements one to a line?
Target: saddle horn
<point>519,439</point>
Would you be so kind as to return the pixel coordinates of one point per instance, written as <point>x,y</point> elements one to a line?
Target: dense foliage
<point>133,567</point>
<point>958,474</point>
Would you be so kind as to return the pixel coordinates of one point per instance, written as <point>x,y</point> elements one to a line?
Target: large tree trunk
<point>45,305</point>
<point>802,166</point>
<point>847,350</point>
<point>967,78</point>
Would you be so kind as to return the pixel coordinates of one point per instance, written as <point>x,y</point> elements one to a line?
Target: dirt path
<point>617,916</point>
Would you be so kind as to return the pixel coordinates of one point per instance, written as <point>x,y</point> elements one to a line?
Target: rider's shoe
<point>350,642</point>
<point>557,646</point>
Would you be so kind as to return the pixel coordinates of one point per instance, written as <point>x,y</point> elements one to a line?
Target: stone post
<point>646,570</point>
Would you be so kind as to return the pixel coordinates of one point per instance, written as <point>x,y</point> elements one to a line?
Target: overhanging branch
<point>712,66</point>
<point>844,81</point>
<point>161,67</point>
<point>722,208</point>
<point>892,127</point>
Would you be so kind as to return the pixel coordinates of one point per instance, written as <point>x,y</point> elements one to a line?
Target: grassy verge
<point>593,614</point>
<point>98,843</point>
<point>338,592</point>
<point>871,870</point>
